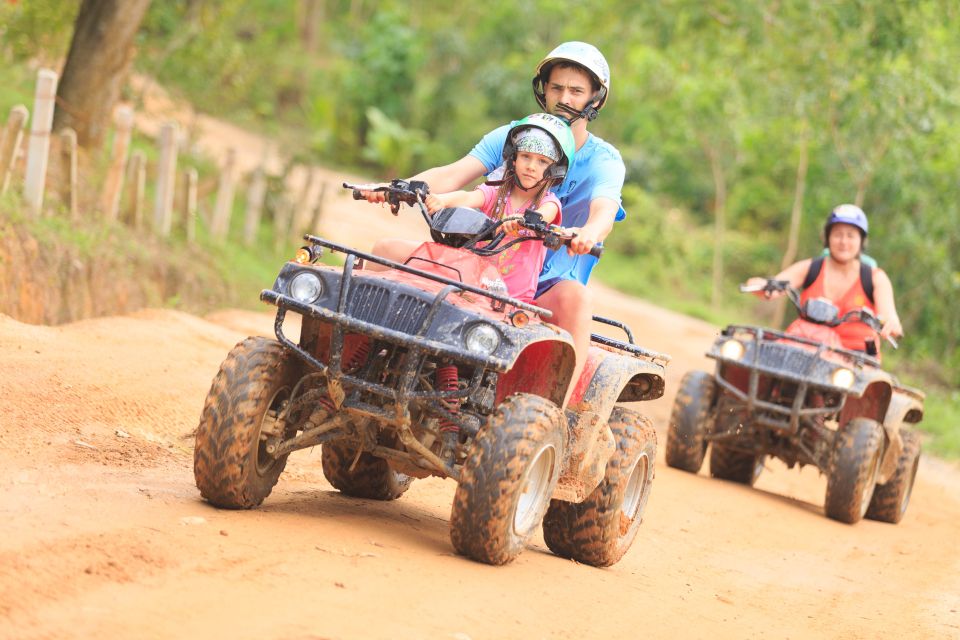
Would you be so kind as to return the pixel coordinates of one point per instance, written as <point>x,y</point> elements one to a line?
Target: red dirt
<point>106,535</point>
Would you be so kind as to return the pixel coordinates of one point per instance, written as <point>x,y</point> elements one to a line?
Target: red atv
<point>800,396</point>
<point>430,368</point>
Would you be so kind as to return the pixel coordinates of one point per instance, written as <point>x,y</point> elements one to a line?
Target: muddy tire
<point>230,464</point>
<point>690,421</point>
<point>371,477</point>
<point>853,473</point>
<point>890,500</point>
<point>507,481</point>
<point>735,466</point>
<point>600,530</point>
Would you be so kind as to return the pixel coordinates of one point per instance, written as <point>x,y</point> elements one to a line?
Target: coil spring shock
<point>447,380</point>
<point>356,350</point>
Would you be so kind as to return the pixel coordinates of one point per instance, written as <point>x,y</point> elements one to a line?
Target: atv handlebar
<point>415,192</point>
<point>863,314</point>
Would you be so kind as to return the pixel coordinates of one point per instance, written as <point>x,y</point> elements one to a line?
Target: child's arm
<point>548,211</point>
<point>437,201</point>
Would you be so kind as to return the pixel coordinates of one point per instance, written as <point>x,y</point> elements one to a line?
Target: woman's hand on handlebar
<point>760,288</point>
<point>891,329</point>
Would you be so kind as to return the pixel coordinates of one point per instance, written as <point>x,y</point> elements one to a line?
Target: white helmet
<point>584,55</point>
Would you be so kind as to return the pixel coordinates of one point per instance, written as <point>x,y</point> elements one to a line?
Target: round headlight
<point>482,339</point>
<point>842,378</point>
<point>732,349</point>
<point>306,287</point>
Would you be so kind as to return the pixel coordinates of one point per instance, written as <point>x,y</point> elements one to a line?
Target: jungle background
<point>741,125</point>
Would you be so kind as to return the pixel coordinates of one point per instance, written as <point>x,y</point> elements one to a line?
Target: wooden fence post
<point>110,198</point>
<point>281,222</point>
<point>318,209</point>
<point>39,148</point>
<point>255,196</point>
<point>137,184</point>
<point>10,145</point>
<point>303,209</point>
<point>68,160</point>
<point>188,206</point>
<point>166,180</point>
<point>223,206</point>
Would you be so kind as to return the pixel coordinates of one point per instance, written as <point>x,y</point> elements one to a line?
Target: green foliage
<point>869,87</point>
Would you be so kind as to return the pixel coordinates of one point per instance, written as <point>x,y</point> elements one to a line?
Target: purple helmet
<point>847,214</point>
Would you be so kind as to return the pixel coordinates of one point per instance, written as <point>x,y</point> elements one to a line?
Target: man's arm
<point>454,176</point>
<point>599,224</point>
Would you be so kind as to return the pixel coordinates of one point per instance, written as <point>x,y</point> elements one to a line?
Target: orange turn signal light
<point>519,318</point>
<point>303,256</point>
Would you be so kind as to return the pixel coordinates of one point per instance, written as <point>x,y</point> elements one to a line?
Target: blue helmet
<point>846,214</point>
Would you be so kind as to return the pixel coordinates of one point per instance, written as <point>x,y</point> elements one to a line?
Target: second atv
<point>799,396</point>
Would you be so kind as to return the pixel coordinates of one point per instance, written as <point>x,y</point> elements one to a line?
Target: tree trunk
<point>310,17</point>
<point>796,213</point>
<point>100,55</point>
<point>720,223</point>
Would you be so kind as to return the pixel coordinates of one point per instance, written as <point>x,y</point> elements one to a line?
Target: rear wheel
<point>601,529</point>
<point>507,480</point>
<point>890,500</point>
<point>241,416</point>
<point>366,476</point>
<point>690,421</point>
<point>853,474</point>
<point>733,465</point>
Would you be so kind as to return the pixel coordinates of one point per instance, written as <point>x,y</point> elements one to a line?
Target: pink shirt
<point>519,265</point>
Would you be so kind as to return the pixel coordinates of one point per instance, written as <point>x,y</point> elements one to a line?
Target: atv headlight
<point>842,378</point>
<point>482,338</point>
<point>732,349</point>
<point>306,287</point>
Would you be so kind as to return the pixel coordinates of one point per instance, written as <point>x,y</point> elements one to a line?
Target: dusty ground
<point>105,534</point>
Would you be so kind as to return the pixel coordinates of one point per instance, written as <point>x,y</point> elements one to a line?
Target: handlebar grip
<point>357,195</point>
<point>596,251</point>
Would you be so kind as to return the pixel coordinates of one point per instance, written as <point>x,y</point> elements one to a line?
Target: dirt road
<point>105,534</point>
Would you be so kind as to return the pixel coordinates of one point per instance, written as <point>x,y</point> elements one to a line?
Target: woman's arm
<point>794,274</point>
<point>886,307</point>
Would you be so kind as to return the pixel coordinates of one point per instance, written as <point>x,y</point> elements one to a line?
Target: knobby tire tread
<point>689,421</point>
<point>227,438</point>
<point>481,521</point>
<point>594,531</point>
<point>887,504</point>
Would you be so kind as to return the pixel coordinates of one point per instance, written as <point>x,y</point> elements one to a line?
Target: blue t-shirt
<point>597,171</point>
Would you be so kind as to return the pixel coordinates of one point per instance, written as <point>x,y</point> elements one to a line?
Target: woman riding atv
<point>844,279</point>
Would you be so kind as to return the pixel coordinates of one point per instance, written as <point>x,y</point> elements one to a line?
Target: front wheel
<point>735,466</point>
<point>240,416</point>
<point>890,500</point>
<point>853,474</point>
<point>690,421</point>
<point>601,529</point>
<point>507,480</point>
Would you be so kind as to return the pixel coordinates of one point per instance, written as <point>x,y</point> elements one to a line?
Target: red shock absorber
<point>447,380</point>
<point>356,350</point>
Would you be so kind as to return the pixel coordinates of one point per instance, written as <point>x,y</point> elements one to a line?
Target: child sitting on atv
<point>538,150</point>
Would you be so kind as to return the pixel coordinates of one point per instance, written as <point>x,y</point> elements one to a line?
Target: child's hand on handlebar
<point>511,225</point>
